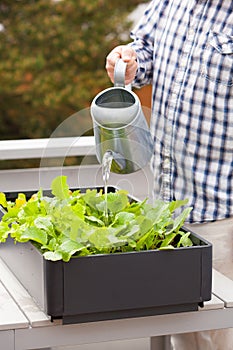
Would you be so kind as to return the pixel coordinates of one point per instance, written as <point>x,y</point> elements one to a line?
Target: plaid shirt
<point>185,50</point>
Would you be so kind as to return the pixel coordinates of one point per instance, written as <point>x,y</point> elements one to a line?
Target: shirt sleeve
<point>143,36</point>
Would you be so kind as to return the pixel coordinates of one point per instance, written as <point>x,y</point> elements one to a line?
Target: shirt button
<point>191,33</point>
<point>183,61</point>
<point>179,77</point>
<point>174,96</point>
<point>187,48</point>
<point>226,48</point>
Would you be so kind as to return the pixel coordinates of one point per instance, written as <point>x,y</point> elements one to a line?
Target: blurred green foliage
<point>52,58</point>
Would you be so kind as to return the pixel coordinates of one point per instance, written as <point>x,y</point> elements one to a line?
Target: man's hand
<point>128,55</point>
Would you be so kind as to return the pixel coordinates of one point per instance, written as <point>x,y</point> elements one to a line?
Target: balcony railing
<point>139,184</point>
<point>52,147</point>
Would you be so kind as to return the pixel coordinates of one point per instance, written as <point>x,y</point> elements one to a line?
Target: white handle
<point>119,73</point>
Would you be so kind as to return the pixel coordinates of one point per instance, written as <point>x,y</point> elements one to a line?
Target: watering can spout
<point>118,161</point>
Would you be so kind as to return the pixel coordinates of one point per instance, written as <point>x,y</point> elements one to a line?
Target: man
<point>184,48</point>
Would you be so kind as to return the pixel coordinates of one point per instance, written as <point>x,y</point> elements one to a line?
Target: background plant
<point>52,58</point>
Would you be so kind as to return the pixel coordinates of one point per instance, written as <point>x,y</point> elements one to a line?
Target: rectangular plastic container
<point>111,286</point>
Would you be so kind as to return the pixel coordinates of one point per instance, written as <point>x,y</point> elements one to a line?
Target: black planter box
<point>111,286</point>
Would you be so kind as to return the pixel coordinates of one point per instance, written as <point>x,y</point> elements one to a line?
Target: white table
<point>24,326</point>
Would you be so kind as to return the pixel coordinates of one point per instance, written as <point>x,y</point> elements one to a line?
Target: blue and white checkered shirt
<point>185,50</point>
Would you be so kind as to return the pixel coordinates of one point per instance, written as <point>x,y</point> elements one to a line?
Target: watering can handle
<point>119,73</point>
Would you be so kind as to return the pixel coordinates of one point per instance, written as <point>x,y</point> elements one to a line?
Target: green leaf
<point>11,215</point>
<point>92,198</point>
<point>44,223</point>
<point>4,231</point>
<point>130,232</point>
<point>168,240</point>
<point>53,256</point>
<point>158,212</point>
<point>51,245</point>
<point>177,204</point>
<point>20,200</point>
<point>3,201</point>
<point>94,220</point>
<point>60,188</point>
<point>117,201</point>
<point>100,238</point>
<point>142,241</point>
<point>35,234</point>
<point>123,218</point>
<point>70,225</point>
<point>106,238</point>
<point>69,248</point>
<point>179,221</point>
<point>30,209</point>
<point>185,241</point>
<point>135,207</point>
<point>145,224</point>
<point>168,247</point>
<point>16,231</point>
<point>79,209</point>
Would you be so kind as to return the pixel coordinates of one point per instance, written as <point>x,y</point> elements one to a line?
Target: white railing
<point>51,147</point>
<point>139,184</point>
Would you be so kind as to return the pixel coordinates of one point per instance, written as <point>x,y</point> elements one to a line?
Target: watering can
<point>120,127</point>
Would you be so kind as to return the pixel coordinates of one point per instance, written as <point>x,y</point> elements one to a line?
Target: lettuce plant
<point>74,224</point>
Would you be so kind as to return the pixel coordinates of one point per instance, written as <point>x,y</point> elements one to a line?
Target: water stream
<point>106,167</point>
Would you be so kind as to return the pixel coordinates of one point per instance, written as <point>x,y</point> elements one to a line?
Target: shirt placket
<point>176,91</point>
